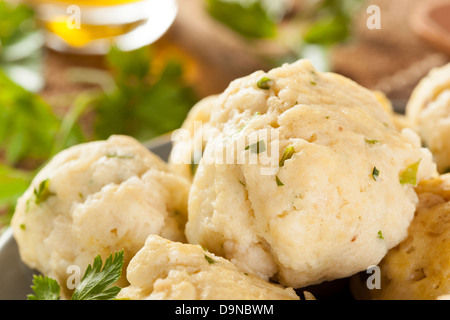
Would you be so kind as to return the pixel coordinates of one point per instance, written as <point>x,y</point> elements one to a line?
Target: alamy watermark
<point>260,147</point>
<point>74,278</point>
<point>74,17</point>
<point>374,280</point>
<point>374,20</point>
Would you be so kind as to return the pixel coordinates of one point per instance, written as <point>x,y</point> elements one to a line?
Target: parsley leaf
<point>332,22</point>
<point>97,281</point>
<point>45,288</point>
<point>13,183</point>
<point>144,103</point>
<point>248,19</point>
<point>27,124</point>
<point>12,18</point>
<point>21,45</point>
<point>28,131</point>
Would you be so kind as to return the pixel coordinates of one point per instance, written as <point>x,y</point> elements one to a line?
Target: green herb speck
<point>194,167</point>
<point>42,193</point>
<point>287,154</point>
<point>257,147</point>
<point>210,261</point>
<point>114,155</point>
<point>372,142</point>
<point>409,175</point>
<point>279,183</point>
<point>264,83</point>
<point>375,173</point>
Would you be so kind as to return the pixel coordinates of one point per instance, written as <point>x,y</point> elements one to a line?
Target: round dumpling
<point>94,199</point>
<point>419,267</point>
<point>306,180</point>
<point>428,112</point>
<point>167,270</point>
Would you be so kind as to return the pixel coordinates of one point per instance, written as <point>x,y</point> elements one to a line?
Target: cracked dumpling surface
<point>340,199</point>
<point>167,270</point>
<point>428,112</point>
<point>419,267</point>
<point>97,198</point>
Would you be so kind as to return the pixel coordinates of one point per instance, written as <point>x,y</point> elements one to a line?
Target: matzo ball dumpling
<point>340,199</point>
<point>419,267</point>
<point>97,198</point>
<point>167,270</point>
<point>428,112</point>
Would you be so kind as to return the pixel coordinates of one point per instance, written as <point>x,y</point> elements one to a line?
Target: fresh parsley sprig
<point>44,288</point>
<point>145,102</point>
<point>96,284</point>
